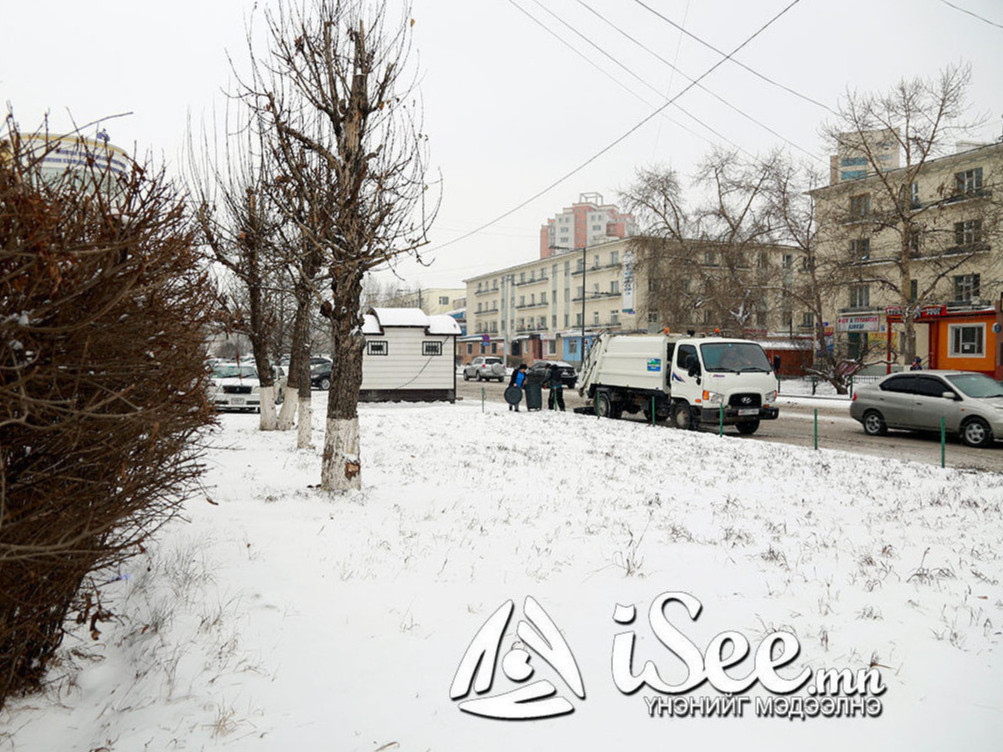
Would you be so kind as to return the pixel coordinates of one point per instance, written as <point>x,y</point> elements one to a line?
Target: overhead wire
<point>739,63</point>
<point>970,13</point>
<point>624,136</point>
<point>675,69</point>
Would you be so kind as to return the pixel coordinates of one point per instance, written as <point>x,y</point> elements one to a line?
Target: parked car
<point>484,368</point>
<point>320,375</point>
<point>971,405</point>
<point>568,375</point>
<point>236,386</point>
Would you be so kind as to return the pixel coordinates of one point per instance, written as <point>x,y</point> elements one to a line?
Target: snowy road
<point>837,430</point>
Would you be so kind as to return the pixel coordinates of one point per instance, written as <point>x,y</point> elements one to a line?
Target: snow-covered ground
<point>276,618</point>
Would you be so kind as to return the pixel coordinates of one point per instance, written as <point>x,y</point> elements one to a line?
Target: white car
<point>484,368</point>
<point>236,386</point>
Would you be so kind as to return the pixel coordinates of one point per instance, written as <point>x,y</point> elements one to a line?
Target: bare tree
<point>240,226</point>
<point>909,220</point>
<point>710,264</point>
<point>339,96</point>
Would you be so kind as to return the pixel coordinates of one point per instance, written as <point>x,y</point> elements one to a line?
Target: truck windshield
<point>734,357</point>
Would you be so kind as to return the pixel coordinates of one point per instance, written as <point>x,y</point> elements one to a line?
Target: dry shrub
<point>103,303</point>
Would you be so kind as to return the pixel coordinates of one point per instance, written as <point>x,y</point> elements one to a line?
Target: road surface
<point>837,430</point>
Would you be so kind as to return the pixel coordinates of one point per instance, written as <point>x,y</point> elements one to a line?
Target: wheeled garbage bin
<point>534,389</point>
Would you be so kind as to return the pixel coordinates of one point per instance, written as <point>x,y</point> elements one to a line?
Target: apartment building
<point>432,300</point>
<point>921,250</point>
<point>587,222</point>
<point>545,307</point>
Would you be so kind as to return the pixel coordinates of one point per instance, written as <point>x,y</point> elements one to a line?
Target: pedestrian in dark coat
<point>556,384</point>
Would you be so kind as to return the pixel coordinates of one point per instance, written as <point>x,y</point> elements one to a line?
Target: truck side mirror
<point>776,364</point>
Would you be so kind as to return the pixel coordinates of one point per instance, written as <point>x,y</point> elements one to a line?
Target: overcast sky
<point>514,99</point>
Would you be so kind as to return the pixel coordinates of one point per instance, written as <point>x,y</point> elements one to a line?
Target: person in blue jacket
<point>517,380</point>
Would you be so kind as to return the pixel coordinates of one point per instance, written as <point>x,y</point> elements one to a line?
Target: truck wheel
<point>682,416</point>
<point>747,427</point>
<point>606,407</point>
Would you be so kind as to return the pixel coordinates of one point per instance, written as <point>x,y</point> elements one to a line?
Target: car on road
<point>970,405</point>
<point>568,375</point>
<point>484,368</point>
<point>235,386</point>
<point>320,376</point>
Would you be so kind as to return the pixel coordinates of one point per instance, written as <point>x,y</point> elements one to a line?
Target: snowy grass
<point>280,618</point>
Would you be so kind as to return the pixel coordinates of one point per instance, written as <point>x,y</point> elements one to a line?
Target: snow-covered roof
<point>400,316</point>
<point>443,323</point>
<point>379,319</point>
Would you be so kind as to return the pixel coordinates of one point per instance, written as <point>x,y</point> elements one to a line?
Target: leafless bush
<point>102,382</point>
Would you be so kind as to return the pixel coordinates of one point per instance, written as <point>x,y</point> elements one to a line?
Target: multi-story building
<point>587,222</point>
<point>432,300</point>
<point>920,248</point>
<point>546,308</point>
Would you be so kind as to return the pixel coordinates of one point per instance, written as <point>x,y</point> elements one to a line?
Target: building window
<point>969,181</point>
<point>532,298</point>
<point>543,298</point>
<point>860,206</point>
<point>968,233</point>
<point>808,320</point>
<point>914,196</point>
<point>551,347</point>
<point>708,317</point>
<point>652,285</point>
<point>966,288</point>
<point>494,284</point>
<point>614,318</point>
<point>913,290</point>
<point>595,318</point>
<point>860,296</point>
<point>376,347</point>
<point>470,349</point>
<point>553,321</point>
<point>443,300</point>
<point>967,340</point>
<point>913,236</point>
<point>788,261</point>
<point>710,258</point>
<point>578,319</point>
<point>653,317</point>
<point>614,257</point>
<point>522,300</point>
<point>478,307</point>
<point>806,263</point>
<point>565,321</point>
<point>429,349</point>
<point>860,249</point>
<point>614,286</point>
<point>788,319</point>
<point>494,348</point>
<point>572,347</point>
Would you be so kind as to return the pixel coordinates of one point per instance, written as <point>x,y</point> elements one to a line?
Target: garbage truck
<point>689,379</point>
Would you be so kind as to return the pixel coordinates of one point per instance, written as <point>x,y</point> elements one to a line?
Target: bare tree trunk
<point>341,463</point>
<point>269,420</point>
<point>287,415</point>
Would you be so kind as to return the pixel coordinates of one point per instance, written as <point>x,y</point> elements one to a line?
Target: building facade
<point>920,247</point>
<point>587,222</point>
<point>547,308</point>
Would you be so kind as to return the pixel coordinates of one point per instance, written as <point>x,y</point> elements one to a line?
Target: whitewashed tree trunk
<point>269,421</point>
<point>341,464</point>
<point>304,434</point>
<point>287,415</point>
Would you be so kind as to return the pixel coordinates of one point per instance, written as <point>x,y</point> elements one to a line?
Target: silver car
<point>971,405</point>
<point>484,368</point>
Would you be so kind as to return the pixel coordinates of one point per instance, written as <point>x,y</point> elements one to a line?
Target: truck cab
<point>692,380</point>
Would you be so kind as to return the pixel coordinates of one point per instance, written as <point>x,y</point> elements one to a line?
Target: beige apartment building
<point>919,243</point>
<point>545,308</point>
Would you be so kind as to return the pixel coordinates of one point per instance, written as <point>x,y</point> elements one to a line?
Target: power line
<point>633,74</point>
<point>974,15</point>
<point>675,69</point>
<point>608,75</point>
<point>623,137</point>
<point>739,63</point>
